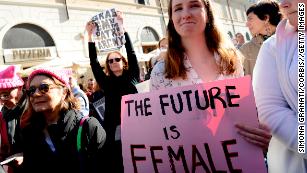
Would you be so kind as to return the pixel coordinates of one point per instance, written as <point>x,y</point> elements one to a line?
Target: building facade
<point>34,32</point>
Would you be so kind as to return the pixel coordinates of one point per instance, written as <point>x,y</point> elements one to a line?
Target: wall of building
<point>67,25</point>
<point>66,22</point>
<point>232,15</point>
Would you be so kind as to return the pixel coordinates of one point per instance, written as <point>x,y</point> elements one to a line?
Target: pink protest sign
<point>190,129</point>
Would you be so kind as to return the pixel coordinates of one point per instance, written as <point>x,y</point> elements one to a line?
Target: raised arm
<point>132,59</point>
<point>97,70</point>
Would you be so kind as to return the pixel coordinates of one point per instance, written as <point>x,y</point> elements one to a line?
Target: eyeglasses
<point>43,88</point>
<point>110,61</point>
<point>6,95</point>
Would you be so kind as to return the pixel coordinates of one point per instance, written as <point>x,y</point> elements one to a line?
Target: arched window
<point>149,35</point>
<point>26,35</point>
<point>150,39</point>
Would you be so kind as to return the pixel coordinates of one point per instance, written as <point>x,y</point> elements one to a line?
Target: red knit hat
<point>9,78</point>
<point>60,74</point>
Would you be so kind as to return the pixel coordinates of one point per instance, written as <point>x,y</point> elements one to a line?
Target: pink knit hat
<point>9,78</point>
<point>60,74</point>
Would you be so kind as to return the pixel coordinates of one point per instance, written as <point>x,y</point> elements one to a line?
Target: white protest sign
<point>109,34</point>
<point>99,106</point>
<point>191,129</point>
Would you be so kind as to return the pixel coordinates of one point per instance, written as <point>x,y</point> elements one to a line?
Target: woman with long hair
<point>198,52</point>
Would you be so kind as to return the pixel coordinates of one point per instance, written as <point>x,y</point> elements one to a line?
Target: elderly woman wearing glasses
<point>51,125</point>
<point>116,81</point>
<point>13,99</point>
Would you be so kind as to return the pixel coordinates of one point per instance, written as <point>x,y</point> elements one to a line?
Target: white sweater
<point>275,89</point>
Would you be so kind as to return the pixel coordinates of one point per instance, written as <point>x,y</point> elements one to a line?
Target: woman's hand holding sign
<point>90,26</point>
<point>259,136</point>
<point>107,30</point>
<point>120,19</point>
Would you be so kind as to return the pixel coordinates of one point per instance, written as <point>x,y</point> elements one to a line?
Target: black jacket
<point>115,87</point>
<point>38,157</point>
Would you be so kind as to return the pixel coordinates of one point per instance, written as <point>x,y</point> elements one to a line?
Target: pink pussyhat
<point>9,77</point>
<point>60,74</point>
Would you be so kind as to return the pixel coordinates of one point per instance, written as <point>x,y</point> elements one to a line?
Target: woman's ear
<point>266,18</point>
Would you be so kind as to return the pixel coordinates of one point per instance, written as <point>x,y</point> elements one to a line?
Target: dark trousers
<point>113,159</point>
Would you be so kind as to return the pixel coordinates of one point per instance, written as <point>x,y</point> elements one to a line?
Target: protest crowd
<point>51,123</point>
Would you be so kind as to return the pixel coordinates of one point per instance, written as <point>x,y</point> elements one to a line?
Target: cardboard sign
<point>99,106</point>
<point>143,86</point>
<point>108,34</point>
<point>191,129</point>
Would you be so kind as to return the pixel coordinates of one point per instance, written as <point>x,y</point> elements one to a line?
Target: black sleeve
<point>95,134</point>
<point>97,70</point>
<point>95,137</point>
<point>132,59</point>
